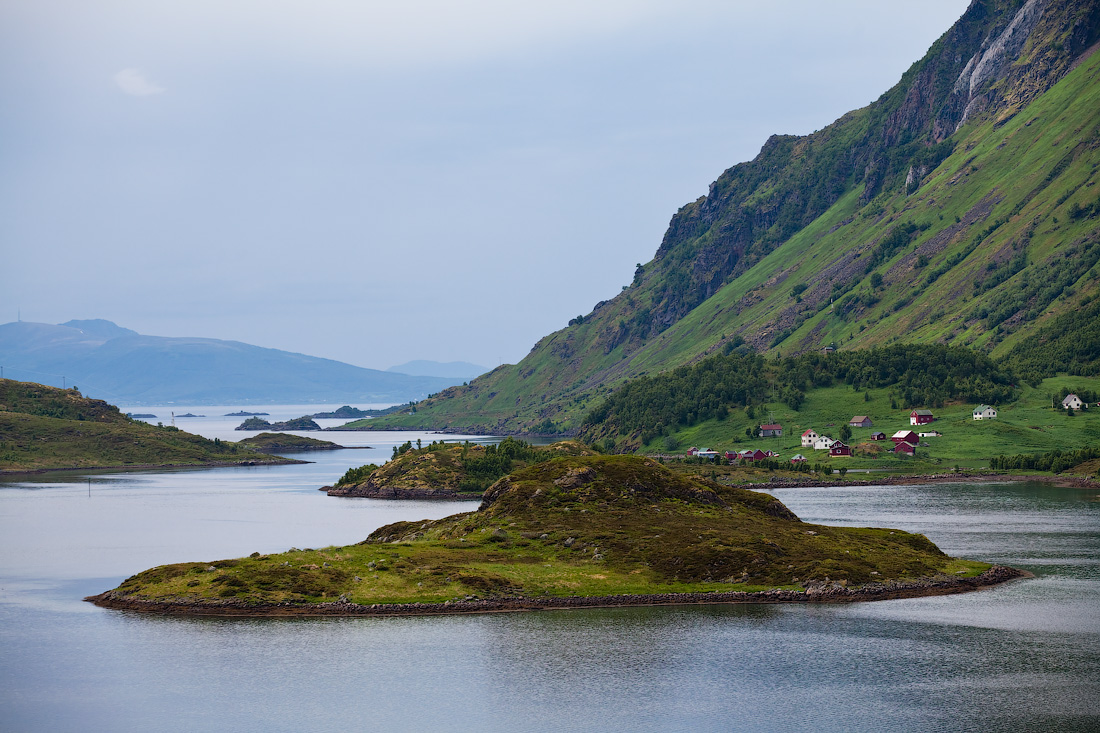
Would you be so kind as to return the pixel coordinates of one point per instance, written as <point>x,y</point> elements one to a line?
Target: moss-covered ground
<point>573,526</point>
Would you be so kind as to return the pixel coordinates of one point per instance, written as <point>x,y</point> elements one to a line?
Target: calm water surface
<point>1022,657</point>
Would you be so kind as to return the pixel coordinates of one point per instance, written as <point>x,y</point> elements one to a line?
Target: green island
<point>48,429</point>
<point>284,443</point>
<point>568,532</point>
<point>305,422</point>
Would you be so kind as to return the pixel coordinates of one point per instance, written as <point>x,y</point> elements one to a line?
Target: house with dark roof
<point>905,449</point>
<point>921,417</point>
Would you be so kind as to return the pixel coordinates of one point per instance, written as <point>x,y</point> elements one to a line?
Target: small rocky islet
<point>576,531</point>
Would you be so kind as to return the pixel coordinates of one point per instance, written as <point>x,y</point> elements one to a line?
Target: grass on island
<point>286,442</point>
<point>574,526</point>
<point>46,428</point>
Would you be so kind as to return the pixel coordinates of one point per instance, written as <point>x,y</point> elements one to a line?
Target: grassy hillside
<point>591,526</point>
<point>888,226</point>
<point>1027,425</point>
<point>45,428</point>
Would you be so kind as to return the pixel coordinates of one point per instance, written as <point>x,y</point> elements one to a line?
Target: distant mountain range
<point>118,364</point>
<point>451,369</point>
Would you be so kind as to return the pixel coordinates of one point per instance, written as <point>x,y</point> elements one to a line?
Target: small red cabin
<point>839,449</point>
<point>921,417</point>
<point>907,449</point>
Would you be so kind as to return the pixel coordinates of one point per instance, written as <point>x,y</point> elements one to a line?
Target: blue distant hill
<point>117,364</point>
<point>450,369</point>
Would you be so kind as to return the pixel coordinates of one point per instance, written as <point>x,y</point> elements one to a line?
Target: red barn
<point>920,417</point>
<point>839,449</point>
<point>905,436</point>
<point>907,449</point>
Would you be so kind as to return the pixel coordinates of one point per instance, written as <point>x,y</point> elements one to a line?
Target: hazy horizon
<point>380,184</point>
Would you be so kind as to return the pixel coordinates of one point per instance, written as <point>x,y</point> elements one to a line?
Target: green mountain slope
<point>960,208</point>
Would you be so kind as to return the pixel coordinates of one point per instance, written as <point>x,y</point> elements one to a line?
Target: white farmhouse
<point>1072,402</point>
<point>985,412</point>
<point>808,438</point>
<point>823,442</point>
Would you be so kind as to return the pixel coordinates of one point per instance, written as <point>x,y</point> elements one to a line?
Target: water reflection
<point>1024,656</point>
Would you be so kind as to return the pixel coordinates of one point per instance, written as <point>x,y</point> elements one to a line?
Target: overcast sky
<point>379,182</point>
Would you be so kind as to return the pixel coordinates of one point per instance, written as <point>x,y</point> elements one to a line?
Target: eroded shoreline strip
<point>819,593</point>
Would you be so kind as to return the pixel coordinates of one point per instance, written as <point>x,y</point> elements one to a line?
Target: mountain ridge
<point>958,208</point>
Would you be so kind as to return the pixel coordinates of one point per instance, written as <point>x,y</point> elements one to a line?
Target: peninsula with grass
<point>575,531</point>
<point>49,429</point>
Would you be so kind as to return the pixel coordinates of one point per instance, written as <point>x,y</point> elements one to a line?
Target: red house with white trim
<point>839,449</point>
<point>921,417</point>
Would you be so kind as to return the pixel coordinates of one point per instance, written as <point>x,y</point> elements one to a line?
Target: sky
<point>377,182</point>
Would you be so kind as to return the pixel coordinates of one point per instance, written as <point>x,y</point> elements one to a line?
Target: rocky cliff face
<point>999,56</point>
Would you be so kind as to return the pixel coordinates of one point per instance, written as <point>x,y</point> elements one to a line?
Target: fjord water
<point>1022,657</point>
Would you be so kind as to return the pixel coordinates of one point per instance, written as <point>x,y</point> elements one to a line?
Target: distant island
<point>141,415</point>
<point>189,414</point>
<point>281,443</point>
<point>574,532</point>
<point>50,429</point>
<point>299,423</point>
<point>346,412</point>
<point>242,413</point>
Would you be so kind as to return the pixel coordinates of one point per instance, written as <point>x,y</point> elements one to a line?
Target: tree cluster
<point>708,390</point>
<point>1054,461</point>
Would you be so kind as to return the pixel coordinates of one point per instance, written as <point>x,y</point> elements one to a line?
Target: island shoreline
<point>8,473</point>
<point>816,593</point>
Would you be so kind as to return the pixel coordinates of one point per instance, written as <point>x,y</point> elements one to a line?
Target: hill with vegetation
<point>959,208</point>
<point>46,428</point>
<point>614,529</point>
<point>447,471</point>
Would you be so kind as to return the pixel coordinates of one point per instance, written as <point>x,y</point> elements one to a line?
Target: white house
<point>1072,402</point>
<point>823,442</point>
<point>808,438</point>
<point>985,412</point>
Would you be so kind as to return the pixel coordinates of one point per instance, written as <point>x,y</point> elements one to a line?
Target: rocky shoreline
<point>147,466</point>
<point>825,592</point>
<point>358,491</point>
